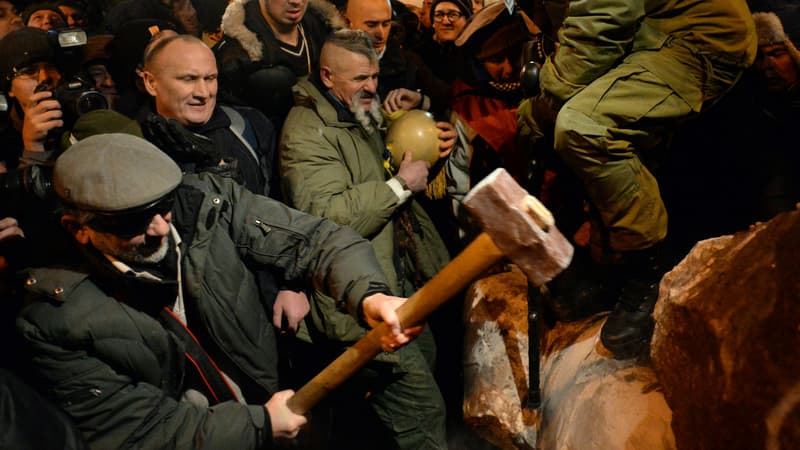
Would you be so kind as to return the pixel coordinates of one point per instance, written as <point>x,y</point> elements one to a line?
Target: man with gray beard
<point>158,337</point>
<point>333,164</point>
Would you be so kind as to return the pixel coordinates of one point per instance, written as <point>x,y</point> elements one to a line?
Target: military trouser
<point>400,386</point>
<point>603,132</point>
<point>406,399</point>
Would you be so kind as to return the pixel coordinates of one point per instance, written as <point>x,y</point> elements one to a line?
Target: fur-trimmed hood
<point>233,23</point>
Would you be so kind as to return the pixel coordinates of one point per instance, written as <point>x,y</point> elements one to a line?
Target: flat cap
<point>114,172</point>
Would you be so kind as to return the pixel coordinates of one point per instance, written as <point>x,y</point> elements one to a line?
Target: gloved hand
<point>536,116</point>
<point>180,144</point>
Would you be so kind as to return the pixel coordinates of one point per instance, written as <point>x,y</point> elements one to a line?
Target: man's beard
<point>151,251</point>
<point>369,119</point>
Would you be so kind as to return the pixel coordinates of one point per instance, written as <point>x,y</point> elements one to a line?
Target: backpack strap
<point>239,128</point>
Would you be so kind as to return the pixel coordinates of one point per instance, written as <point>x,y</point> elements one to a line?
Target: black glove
<point>180,144</point>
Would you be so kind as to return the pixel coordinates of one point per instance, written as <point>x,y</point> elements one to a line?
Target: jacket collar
<point>313,94</point>
<point>243,21</point>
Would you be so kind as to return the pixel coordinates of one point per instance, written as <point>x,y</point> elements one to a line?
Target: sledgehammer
<point>516,225</point>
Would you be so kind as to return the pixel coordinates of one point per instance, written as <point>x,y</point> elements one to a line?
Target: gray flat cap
<point>114,172</point>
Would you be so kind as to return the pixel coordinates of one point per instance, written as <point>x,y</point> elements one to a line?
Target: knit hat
<point>209,13</point>
<point>96,48</point>
<point>127,48</point>
<point>114,173</point>
<point>492,31</point>
<point>20,48</point>
<point>769,28</point>
<point>26,14</point>
<point>463,5</point>
<point>100,121</point>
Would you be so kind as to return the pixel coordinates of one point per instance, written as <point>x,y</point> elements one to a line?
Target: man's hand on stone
<point>43,115</point>
<point>379,308</point>
<point>292,305</point>
<point>414,173</point>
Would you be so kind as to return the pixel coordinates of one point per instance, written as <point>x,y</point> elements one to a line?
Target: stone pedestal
<point>726,340</point>
<point>590,401</point>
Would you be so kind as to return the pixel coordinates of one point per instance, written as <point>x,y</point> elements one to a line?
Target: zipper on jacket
<point>264,227</point>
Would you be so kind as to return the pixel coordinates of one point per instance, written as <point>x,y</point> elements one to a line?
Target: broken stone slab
<point>590,401</point>
<point>726,341</point>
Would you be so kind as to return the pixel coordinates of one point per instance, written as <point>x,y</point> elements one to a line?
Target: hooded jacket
<point>248,44</point>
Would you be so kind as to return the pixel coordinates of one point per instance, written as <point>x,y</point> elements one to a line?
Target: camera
<point>76,97</point>
<point>18,185</point>
<point>75,93</point>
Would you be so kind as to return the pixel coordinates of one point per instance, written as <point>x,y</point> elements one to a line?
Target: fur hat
<point>492,31</point>
<point>769,28</point>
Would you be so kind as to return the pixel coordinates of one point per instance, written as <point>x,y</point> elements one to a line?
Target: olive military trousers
<point>606,131</point>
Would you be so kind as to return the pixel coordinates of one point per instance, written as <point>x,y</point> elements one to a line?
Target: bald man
<point>180,72</point>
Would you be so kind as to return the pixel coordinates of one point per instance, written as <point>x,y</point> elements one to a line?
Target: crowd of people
<point>198,209</point>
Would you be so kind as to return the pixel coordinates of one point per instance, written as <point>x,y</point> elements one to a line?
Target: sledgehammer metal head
<point>520,226</point>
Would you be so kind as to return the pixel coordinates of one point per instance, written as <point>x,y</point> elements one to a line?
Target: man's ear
<point>149,82</point>
<point>80,232</point>
<point>326,74</point>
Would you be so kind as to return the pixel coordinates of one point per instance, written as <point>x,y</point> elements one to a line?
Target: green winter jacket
<point>331,167</point>
<point>119,373</point>
<point>598,34</point>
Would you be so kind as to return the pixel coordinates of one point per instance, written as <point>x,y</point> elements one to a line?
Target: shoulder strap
<point>238,127</point>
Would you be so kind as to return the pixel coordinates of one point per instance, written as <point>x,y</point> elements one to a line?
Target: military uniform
<point>627,73</point>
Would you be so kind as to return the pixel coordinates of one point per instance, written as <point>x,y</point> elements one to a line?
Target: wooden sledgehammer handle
<point>480,255</point>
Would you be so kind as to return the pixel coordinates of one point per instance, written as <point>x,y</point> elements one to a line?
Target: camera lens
<point>90,101</point>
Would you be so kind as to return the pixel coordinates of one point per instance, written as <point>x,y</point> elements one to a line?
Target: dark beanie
<point>127,48</point>
<point>21,48</point>
<point>26,14</point>
<point>465,6</point>
<point>209,13</point>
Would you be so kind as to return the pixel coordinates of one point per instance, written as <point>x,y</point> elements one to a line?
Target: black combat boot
<point>583,289</point>
<point>629,326</point>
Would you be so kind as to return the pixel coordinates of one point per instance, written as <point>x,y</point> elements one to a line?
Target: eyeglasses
<point>31,71</point>
<point>133,222</point>
<point>452,15</point>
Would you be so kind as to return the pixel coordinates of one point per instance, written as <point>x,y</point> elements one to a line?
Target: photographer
<point>27,64</point>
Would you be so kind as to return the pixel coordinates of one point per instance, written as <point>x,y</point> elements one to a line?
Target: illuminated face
<point>46,20</point>
<point>448,21</point>
<point>24,83</point>
<point>373,17</point>
<point>283,15</point>
<point>352,77</point>
<point>75,17</point>
<point>777,67</point>
<point>183,80</point>
<point>9,19</point>
<point>501,70</point>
